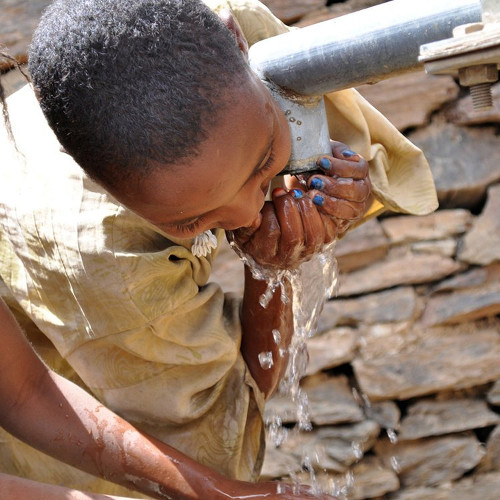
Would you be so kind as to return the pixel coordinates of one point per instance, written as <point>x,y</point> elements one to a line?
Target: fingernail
<point>318,200</point>
<point>325,163</point>
<point>316,183</point>
<point>347,153</point>
<point>297,193</point>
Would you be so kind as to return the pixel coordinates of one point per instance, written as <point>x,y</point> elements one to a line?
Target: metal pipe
<point>362,47</point>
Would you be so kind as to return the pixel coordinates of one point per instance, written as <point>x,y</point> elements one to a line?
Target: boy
<point>163,123</point>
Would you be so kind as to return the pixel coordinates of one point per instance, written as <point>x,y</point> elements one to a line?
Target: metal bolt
<point>482,98</point>
<point>479,78</point>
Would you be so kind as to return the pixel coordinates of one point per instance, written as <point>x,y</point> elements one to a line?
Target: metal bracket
<point>473,55</point>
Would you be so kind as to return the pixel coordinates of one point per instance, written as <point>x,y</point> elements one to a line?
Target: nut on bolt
<point>481,73</point>
<point>479,79</point>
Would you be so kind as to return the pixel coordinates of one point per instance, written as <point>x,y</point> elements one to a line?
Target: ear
<point>226,16</point>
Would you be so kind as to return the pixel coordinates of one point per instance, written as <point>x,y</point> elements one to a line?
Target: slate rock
<point>278,463</point>
<point>335,9</point>
<point>493,396</point>
<point>400,267</point>
<point>445,248</point>
<point>361,246</point>
<point>472,278</point>
<point>330,402</point>
<point>408,100</point>
<point>333,448</point>
<point>19,19</point>
<point>429,462</point>
<point>446,358</point>
<point>464,161</point>
<point>366,479</point>
<point>477,486</point>
<point>436,226</point>
<point>386,413</point>
<point>393,305</point>
<point>289,11</point>
<point>461,307</point>
<point>491,459</point>
<point>429,417</point>
<point>481,245</point>
<point>331,349</point>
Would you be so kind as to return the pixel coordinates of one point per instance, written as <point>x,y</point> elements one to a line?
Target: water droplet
<point>276,336</point>
<point>266,360</point>
<point>299,122</point>
<point>299,138</point>
<point>393,437</point>
<point>291,119</point>
<point>357,450</point>
<point>395,464</point>
<point>288,112</point>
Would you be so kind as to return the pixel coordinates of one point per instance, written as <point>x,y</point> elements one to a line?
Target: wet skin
<point>225,186</point>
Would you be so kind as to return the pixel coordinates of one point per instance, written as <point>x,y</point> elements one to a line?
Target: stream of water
<point>314,282</point>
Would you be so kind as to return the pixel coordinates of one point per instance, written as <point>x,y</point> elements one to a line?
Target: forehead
<point>225,161</point>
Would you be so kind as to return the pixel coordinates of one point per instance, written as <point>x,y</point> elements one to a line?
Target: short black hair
<point>126,84</point>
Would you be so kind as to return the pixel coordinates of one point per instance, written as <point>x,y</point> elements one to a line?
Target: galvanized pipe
<point>362,47</point>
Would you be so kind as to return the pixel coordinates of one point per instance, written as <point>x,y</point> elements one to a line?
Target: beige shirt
<point>112,303</point>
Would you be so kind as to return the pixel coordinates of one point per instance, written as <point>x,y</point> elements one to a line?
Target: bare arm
<point>258,325</point>
<point>25,489</point>
<point>62,420</point>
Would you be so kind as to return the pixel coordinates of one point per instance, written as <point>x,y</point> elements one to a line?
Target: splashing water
<point>314,282</point>
<point>266,360</point>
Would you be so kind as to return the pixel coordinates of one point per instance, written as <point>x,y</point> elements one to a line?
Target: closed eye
<point>188,227</point>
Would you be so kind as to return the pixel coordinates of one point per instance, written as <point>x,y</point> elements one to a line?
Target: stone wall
<point>404,374</point>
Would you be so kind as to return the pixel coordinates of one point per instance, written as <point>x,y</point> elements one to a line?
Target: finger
<point>262,246</point>
<point>331,228</point>
<point>314,230</point>
<point>342,151</point>
<point>343,168</point>
<point>342,188</point>
<point>334,207</point>
<point>292,233</point>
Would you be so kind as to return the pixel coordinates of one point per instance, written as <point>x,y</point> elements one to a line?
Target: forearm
<point>25,489</point>
<point>73,427</point>
<point>258,324</point>
<point>61,419</point>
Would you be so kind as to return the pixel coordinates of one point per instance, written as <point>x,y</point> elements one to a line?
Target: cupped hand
<point>317,209</point>
<point>291,230</point>
<point>342,189</point>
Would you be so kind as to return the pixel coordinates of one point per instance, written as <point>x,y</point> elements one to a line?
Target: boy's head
<point>132,82</point>
<point>155,100</point>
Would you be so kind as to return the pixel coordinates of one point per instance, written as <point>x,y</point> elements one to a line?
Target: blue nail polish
<point>316,183</point>
<point>325,163</point>
<point>318,200</point>
<point>297,193</point>
<point>347,153</point>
